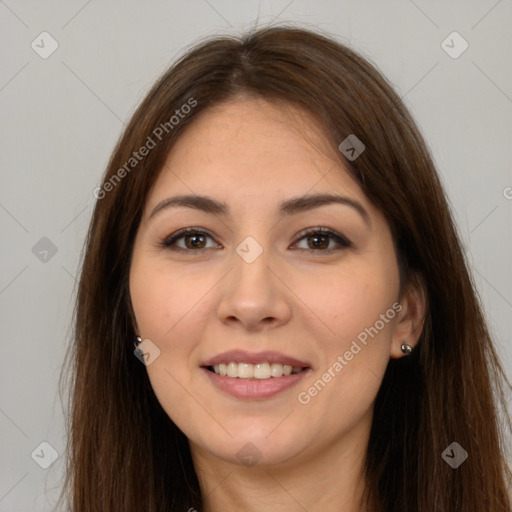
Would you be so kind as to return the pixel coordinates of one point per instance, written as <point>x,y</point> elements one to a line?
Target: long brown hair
<point>124,452</point>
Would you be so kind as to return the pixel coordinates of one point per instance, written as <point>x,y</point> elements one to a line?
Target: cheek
<point>152,301</point>
<point>169,311</point>
<point>356,304</point>
<point>163,301</point>
<point>349,300</point>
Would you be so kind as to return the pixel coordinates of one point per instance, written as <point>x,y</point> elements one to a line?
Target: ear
<point>411,318</point>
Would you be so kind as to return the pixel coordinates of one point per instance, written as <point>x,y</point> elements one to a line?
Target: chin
<point>256,445</point>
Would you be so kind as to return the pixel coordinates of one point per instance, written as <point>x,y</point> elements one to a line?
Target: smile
<point>253,388</point>
<point>250,375</point>
<point>260,371</point>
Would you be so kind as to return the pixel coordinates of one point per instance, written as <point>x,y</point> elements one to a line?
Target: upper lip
<point>241,356</point>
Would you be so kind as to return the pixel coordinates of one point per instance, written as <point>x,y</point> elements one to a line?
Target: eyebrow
<point>289,207</point>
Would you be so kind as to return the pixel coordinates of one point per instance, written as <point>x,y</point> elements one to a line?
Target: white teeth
<point>256,371</point>
<point>276,370</point>
<point>262,371</point>
<point>232,370</point>
<point>245,371</point>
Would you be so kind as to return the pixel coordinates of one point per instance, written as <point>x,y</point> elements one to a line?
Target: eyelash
<point>169,242</point>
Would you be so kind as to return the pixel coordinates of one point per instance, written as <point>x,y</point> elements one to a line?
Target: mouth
<point>254,376</point>
<point>260,371</point>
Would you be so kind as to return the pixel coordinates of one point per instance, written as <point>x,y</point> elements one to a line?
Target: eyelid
<point>170,240</point>
<point>341,240</point>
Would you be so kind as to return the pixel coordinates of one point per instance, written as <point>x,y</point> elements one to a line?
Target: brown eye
<point>318,239</point>
<point>194,240</point>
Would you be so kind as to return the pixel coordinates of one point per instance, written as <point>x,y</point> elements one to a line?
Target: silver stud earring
<point>138,341</point>
<point>406,349</point>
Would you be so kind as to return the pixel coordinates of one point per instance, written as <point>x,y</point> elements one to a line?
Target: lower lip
<point>254,389</point>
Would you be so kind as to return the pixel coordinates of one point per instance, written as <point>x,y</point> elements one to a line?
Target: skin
<point>293,298</point>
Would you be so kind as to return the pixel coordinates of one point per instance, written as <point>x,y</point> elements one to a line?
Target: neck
<point>330,481</point>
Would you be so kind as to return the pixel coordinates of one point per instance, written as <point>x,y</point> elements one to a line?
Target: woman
<point>274,308</point>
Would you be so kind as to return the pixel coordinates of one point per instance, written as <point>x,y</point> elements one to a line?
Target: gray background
<point>61,116</point>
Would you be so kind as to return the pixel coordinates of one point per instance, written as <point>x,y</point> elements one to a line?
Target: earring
<point>138,341</point>
<point>406,349</point>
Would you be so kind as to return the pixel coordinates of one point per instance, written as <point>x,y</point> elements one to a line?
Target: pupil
<point>316,242</point>
<point>197,241</point>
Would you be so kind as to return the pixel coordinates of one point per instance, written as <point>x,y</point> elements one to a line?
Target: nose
<point>254,295</point>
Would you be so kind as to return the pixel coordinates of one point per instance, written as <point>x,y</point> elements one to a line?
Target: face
<point>266,281</point>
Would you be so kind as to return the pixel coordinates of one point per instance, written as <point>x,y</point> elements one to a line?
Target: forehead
<point>254,147</point>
